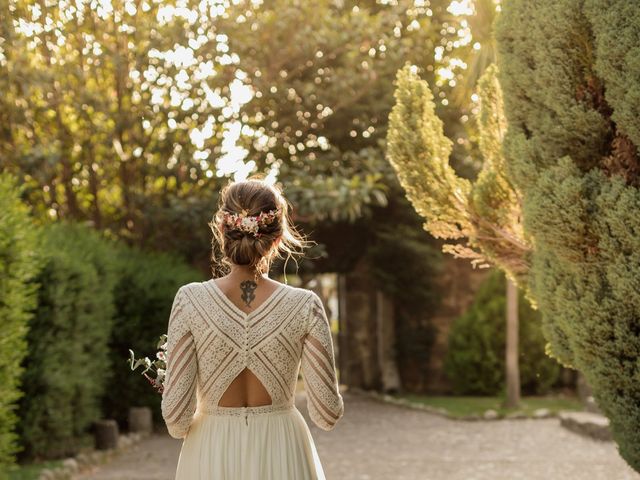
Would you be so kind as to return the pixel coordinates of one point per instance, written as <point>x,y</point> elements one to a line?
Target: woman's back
<point>232,371</point>
<point>222,357</point>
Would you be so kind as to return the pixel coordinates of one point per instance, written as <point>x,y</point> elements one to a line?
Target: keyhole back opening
<point>246,390</point>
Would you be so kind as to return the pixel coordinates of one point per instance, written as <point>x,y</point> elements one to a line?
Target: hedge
<point>65,370</point>
<point>146,285</point>
<point>571,94</point>
<point>18,267</point>
<point>475,360</point>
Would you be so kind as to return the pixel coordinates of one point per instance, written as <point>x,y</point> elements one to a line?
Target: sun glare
<point>192,74</point>
<point>462,7</point>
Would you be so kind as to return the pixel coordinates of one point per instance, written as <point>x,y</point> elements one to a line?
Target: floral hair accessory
<point>249,223</point>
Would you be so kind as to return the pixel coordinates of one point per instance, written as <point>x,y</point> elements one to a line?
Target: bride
<point>235,345</point>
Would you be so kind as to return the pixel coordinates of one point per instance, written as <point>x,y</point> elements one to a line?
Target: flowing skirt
<point>249,443</point>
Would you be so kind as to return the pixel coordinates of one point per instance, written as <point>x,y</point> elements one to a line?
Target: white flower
<point>249,223</point>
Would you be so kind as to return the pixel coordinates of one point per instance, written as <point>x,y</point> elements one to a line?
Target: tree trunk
<point>511,350</point>
<point>140,420</point>
<point>94,186</point>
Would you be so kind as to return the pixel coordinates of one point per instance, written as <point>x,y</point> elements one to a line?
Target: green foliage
<point>129,116</point>
<point>486,213</point>
<point>419,151</point>
<point>494,203</point>
<point>492,189</point>
<point>571,99</point>
<point>325,71</point>
<point>18,267</point>
<point>403,243</point>
<point>97,298</point>
<point>475,361</point>
<point>64,375</point>
<point>589,293</point>
<point>32,470</point>
<point>146,285</point>
<point>94,117</point>
<point>616,54</point>
<point>550,91</point>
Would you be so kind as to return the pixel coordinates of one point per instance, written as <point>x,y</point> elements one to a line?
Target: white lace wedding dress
<point>209,342</point>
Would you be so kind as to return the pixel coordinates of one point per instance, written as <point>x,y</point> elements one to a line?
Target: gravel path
<point>379,441</point>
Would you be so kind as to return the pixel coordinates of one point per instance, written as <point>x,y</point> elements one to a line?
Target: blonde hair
<point>275,240</point>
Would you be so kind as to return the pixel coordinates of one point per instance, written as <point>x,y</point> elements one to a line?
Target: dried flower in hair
<point>249,223</point>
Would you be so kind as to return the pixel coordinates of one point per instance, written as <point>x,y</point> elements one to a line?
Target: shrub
<point>18,267</point>
<point>475,361</point>
<point>146,285</point>
<point>65,370</point>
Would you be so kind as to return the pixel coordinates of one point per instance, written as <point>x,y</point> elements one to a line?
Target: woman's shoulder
<point>301,292</point>
<point>190,287</point>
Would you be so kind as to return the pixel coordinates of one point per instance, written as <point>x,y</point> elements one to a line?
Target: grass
<point>31,471</point>
<point>472,405</point>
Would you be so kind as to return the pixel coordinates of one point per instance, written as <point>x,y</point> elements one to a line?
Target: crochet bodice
<point>210,341</point>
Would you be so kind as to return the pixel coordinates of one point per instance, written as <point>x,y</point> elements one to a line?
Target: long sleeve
<point>179,393</point>
<point>324,401</point>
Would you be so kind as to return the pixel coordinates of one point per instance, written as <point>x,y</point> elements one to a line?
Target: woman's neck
<point>246,272</point>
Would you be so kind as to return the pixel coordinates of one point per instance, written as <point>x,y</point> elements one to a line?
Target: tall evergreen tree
<point>569,74</point>
<point>571,90</point>
<point>480,218</point>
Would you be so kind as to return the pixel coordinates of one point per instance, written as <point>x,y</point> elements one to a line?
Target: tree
<point>485,213</point>
<point>161,102</point>
<point>571,98</point>
<point>322,72</point>
<point>475,359</point>
<point>97,113</point>
<point>511,350</point>
<point>124,116</point>
<point>571,94</point>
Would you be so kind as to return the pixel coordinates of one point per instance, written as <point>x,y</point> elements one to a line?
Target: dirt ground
<point>379,441</point>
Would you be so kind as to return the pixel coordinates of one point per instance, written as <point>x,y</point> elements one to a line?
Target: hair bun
<point>251,217</point>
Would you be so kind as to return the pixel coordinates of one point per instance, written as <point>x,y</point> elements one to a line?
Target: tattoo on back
<point>248,287</point>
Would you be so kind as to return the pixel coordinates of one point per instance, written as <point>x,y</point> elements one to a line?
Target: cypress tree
<point>569,165</point>
<point>481,218</point>
<point>571,88</point>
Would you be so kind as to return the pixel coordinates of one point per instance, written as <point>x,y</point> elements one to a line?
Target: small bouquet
<point>157,367</point>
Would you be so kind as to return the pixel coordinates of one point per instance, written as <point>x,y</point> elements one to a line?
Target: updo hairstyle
<point>236,246</point>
